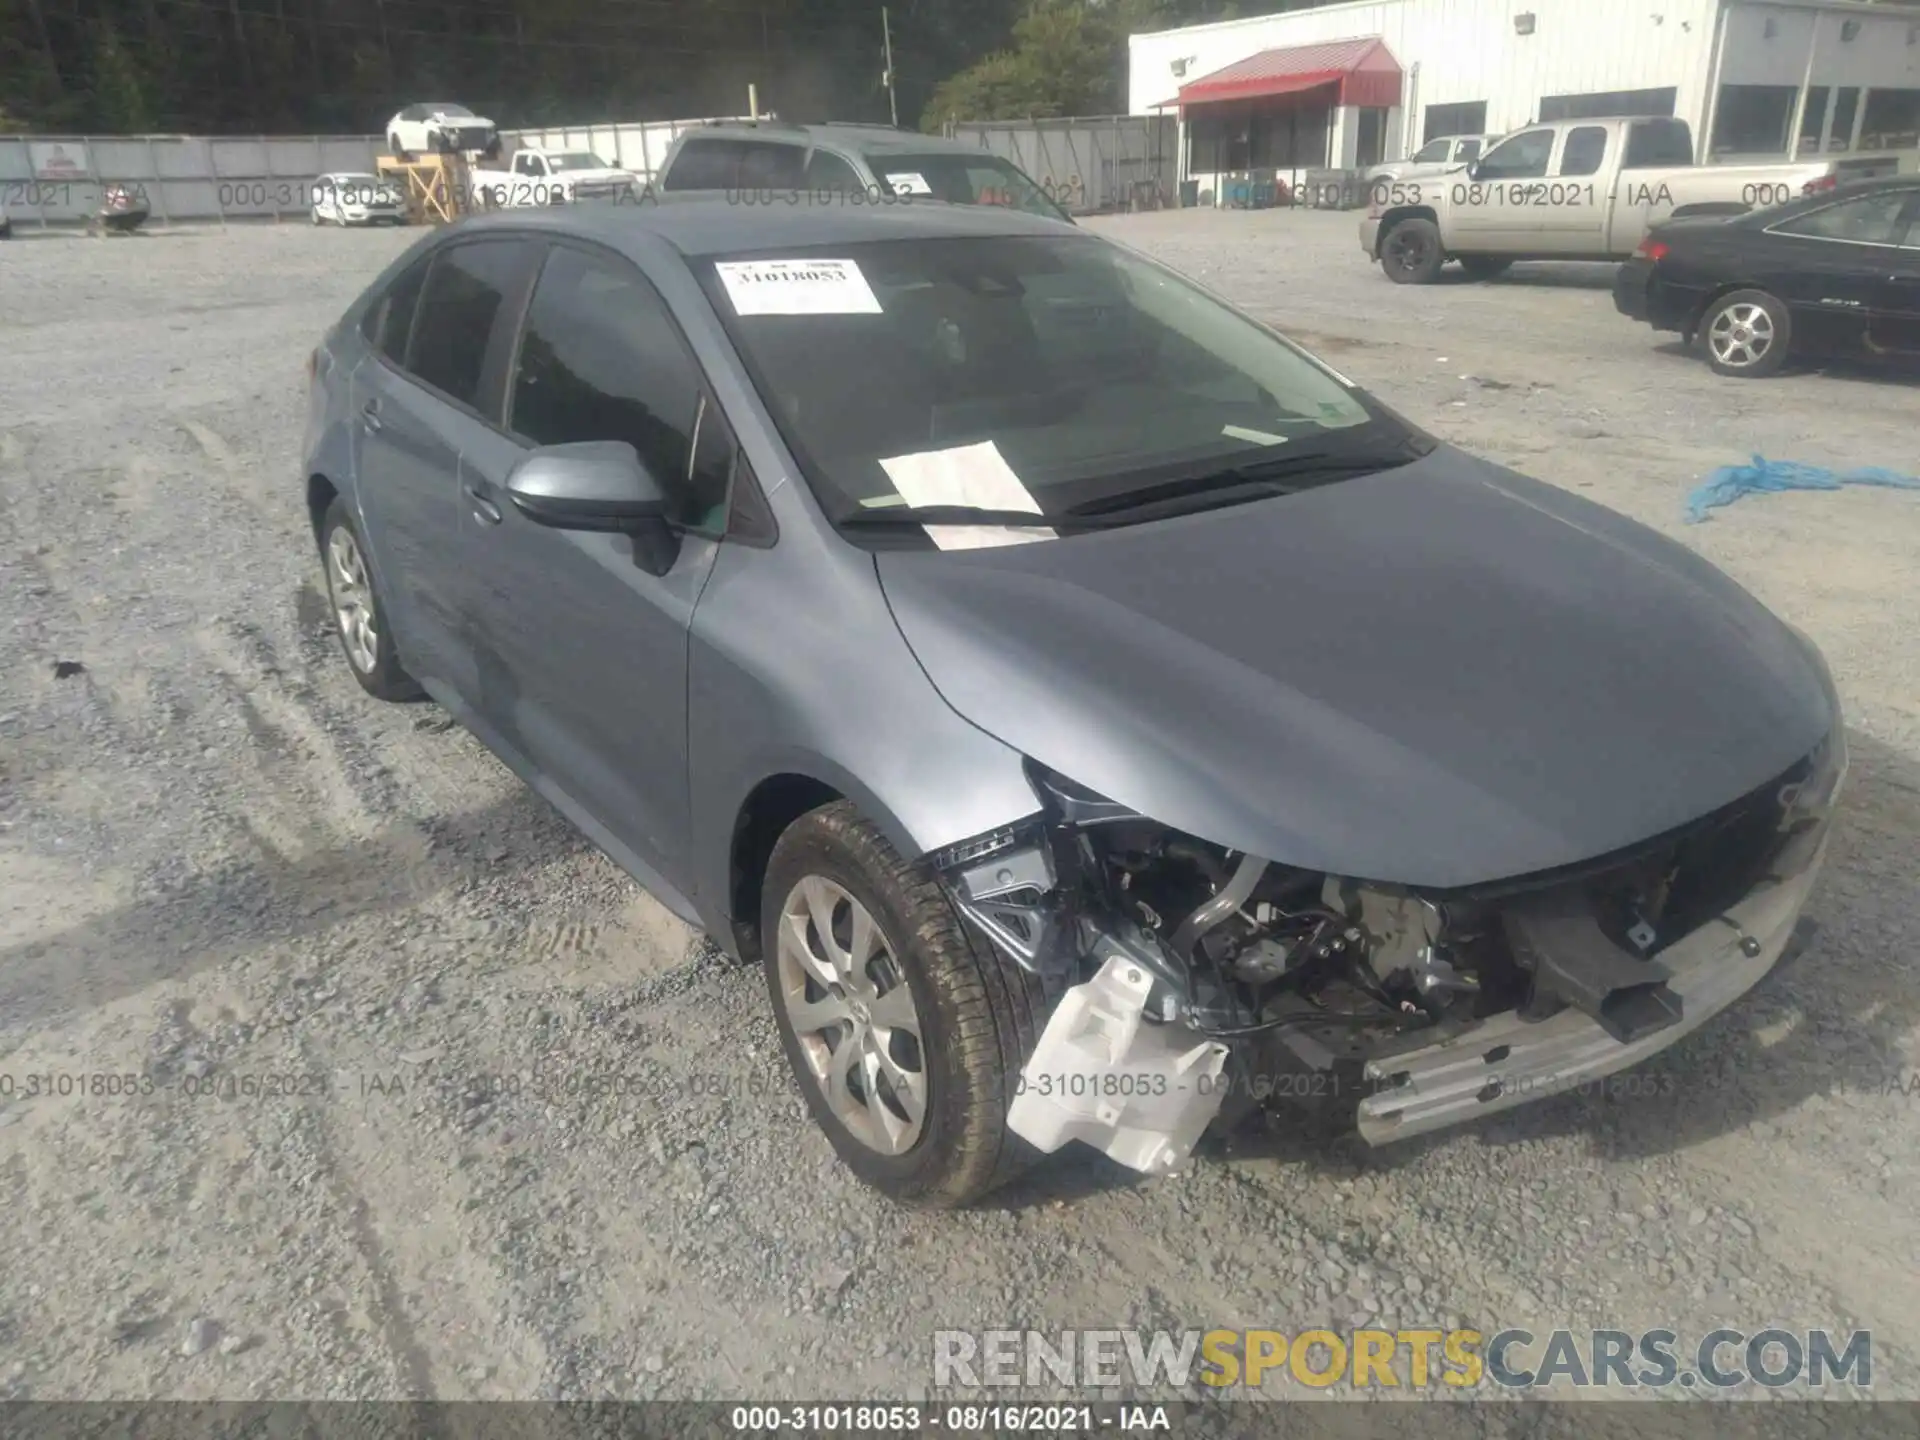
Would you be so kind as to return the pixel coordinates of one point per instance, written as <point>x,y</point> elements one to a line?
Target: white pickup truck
<point>531,176</point>
<point>1574,190</point>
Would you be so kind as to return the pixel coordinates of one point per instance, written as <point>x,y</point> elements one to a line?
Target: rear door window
<point>389,320</point>
<point>1583,150</point>
<point>466,291</point>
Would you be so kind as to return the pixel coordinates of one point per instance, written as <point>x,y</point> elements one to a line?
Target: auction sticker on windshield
<point>797,287</point>
<point>909,182</point>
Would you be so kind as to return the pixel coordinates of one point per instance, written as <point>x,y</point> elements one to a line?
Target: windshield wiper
<point>894,515</point>
<point>1260,479</point>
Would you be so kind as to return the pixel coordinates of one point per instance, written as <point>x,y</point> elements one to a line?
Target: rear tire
<point>1747,334</point>
<point>1484,267</point>
<point>359,617</point>
<point>975,1016</point>
<point>1411,253</point>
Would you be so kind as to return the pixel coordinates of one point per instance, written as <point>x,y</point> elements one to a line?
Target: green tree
<point>1069,57</point>
<point>119,92</point>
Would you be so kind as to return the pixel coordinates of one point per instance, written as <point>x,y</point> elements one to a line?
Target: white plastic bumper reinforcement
<point>1506,1061</point>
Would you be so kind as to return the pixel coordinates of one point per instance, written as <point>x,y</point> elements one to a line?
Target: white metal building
<point>1346,86</point>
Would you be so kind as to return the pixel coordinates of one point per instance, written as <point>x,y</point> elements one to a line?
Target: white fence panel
<point>58,179</point>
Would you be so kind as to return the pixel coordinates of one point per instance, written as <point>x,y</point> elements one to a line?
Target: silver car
<point>1094,713</point>
<point>1436,157</point>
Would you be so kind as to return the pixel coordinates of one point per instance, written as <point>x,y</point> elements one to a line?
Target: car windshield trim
<point>1115,440</point>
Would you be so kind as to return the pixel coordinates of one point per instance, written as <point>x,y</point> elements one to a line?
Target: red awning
<point>1364,71</point>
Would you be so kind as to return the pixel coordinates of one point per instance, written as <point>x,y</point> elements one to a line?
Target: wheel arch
<point>1396,216</point>
<point>321,493</point>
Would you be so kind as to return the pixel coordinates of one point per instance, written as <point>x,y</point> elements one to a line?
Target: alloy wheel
<point>352,595</point>
<point>848,1002</point>
<point>1741,335</point>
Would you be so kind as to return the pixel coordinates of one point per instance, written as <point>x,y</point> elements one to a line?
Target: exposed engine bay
<point>1199,982</point>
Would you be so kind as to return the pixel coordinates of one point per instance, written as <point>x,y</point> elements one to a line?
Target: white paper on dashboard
<point>976,475</point>
<point>1257,437</point>
<point>797,287</point>
<point>909,182</point>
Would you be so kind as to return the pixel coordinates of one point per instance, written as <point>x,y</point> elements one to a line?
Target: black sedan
<point>1837,273</point>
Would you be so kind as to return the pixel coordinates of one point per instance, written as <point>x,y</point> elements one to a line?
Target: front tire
<point>359,618</point>
<point>905,1032</point>
<point>1411,253</point>
<point>1747,334</point>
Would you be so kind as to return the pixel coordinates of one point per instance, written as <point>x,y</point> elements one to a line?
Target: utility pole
<point>886,39</point>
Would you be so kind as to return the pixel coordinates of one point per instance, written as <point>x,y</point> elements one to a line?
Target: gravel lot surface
<point>486,1122</point>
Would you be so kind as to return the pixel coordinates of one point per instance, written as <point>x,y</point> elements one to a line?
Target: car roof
<point>702,225</point>
<point>846,137</point>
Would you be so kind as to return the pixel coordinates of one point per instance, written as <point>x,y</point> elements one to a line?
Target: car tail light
<point>1819,183</point>
<point>1652,249</point>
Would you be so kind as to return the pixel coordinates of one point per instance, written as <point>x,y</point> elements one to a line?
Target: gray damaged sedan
<point>1094,713</point>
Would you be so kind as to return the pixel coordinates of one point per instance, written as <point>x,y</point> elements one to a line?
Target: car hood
<point>1438,675</point>
<point>596,177</point>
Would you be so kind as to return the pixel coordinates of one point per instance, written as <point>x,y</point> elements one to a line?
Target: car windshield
<point>961,179</point>
<point>576,160</point>
<point>1085,374</point>
<point>438,107</point>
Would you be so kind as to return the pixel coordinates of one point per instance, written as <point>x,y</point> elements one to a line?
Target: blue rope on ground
<point>1763,476</point>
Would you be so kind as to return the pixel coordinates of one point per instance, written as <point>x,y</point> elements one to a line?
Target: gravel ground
<point>486,1122</point>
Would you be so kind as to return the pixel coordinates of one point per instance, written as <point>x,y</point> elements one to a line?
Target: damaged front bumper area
<point>1507,1059</point>
<point>1195,982</point>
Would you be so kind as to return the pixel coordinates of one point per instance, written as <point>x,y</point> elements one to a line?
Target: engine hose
<point>1233,895</point>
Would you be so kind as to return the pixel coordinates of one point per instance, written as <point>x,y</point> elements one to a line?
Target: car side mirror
<point>598,485</point>
<point>1473,171</point>
<point>591,485</point>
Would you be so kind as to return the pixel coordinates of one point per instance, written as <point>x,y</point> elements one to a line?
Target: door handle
<point>484,509</point>
<point>370,414</point>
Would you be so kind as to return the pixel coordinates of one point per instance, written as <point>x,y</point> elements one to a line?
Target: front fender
<point>797,668</point>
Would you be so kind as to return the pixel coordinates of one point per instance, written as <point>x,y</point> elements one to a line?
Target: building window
<point>1892,120</point>
<point>1602,103</point>
<point>1753,119</point>
<point>1372,146</point>
<point>1815,135</point>
<point>1466,118</point>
